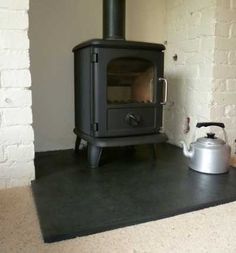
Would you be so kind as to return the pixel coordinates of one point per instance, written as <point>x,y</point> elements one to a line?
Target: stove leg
<point>77,144</point>
<point>153,150</point>
<point>94,155</point>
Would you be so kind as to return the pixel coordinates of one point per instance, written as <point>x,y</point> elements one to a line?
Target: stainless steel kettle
<point>209,154</point>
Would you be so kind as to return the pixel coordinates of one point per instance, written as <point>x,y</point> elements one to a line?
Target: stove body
<point>119,88</point>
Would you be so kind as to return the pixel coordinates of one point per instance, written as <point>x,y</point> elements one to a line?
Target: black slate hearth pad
<point>129,188</point>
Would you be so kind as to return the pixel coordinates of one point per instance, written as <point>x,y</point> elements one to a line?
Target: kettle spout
<point>187,152</point>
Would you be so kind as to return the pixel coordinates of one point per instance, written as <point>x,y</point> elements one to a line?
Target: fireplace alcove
<point>59,185</point>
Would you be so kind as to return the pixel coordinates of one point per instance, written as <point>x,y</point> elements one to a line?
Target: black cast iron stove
<point>119,91</point>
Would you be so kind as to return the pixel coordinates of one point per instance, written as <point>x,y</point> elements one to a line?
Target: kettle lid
<point>210,140</point>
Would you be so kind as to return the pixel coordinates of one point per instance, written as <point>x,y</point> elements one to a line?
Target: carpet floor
<point>208,230</point>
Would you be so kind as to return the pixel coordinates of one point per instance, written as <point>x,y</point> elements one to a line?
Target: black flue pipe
<point>114,19</point>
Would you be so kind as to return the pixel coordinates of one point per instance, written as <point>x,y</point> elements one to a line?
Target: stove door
<point>127,94</point>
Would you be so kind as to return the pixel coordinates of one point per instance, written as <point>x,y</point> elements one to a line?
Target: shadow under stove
<point>130,187</point>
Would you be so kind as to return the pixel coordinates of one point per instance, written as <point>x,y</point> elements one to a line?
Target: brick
<point>201,84</point>
<point>225,44</point>
<point>14,59</point>
<point>2,154</point>
<point>226,16</point>
<point>223,4</point>
<point>231,85</point>
<point>193,59</point>
<point>197,104</point>
<point>224,98</point>
<point>16,116</point>
<point>217,112</point>
<point>15,4</point>
<point>10,98</point>
<point>15,78</point>
<point>219,85</point>
<point>233,30</point>
<point>225,71</point>
<point>207,43</point>
<point>222,29</point>
<point>195,18</point>
<point>230,110</point>
<point>207,30</point>
<point>205,70</point>
<point>209,55</point>
<point>208,16</point>
<point>191,71</point>
<point>193,32</point>
<point>14,39</point>
<point>233,4</point>
<point>10,19</point>
<point>232,58</point>
<point>189,45</point>
<point>229,121</point>
<point>16,135</point>
<point>221,57</point>
<point>20,153</point>
<point>193,5</point>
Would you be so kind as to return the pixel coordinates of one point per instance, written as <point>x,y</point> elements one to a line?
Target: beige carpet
<point>208,230</point>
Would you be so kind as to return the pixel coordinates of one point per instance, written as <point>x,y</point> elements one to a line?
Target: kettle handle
<point>206,124</point>
<point>218,124</point>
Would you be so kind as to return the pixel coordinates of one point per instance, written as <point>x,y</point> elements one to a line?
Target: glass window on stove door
<point>130,80</point>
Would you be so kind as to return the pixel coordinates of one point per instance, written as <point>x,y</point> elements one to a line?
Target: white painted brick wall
<point>14,39</point>
<point>16,132</point>
<point>14,4</point>
<point>12,98</point>
<point>222,29</point>
<point>15,78</point>
<point>20,134</point>
<point>231,85</point>
<point>190,84</point>
<point>16,116</point>
<point>2,154</point>
<point>203,83</point>
<point>226,70</point>
<point>20,153</point>
<point>14,59</point>
<point>13,19</point>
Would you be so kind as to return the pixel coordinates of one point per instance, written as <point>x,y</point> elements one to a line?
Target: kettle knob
<point>211,135</point>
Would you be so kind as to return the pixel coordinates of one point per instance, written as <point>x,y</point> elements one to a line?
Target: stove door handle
<point>163,80</point>
<point>133,119</point>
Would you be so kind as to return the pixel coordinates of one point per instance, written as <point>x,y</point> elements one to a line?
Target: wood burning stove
<point>118,88</point>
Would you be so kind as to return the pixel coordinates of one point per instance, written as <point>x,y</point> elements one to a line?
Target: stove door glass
<point>130,80</point>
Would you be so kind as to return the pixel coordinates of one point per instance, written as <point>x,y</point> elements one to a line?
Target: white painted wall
<point>16,133</point>
<point>56,26</point>
<point>190,29</point>
<point>202,81</point>
<point>145,20</point>
<point>224,89</point>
